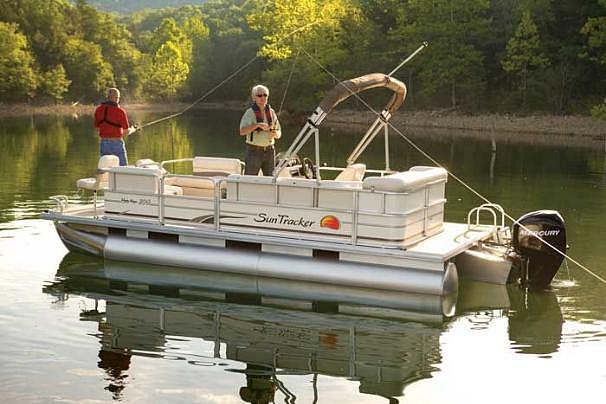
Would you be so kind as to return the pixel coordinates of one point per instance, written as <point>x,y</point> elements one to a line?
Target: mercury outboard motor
<point>542,261</point>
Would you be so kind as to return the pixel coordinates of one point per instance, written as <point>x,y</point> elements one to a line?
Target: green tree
<point>198,33</point>
<point>85,65</point>
<point>17,75</point>
<point>46,23</point>
<point>169,31</point>
<point>287,25</point>
<point>455,30</point>
<point>54,83</point>
<point>524,53</point>
<point>230,45</point>
<point>595,31</point>
<point>115,42</point>
<point>169,72</point>
<point>319,32</point>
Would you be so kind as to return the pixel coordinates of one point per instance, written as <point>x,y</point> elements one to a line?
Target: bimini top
<point>347,88</point>
<point>340,93</point>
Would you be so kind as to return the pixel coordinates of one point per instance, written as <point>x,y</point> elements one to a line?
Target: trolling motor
<point>540,262</point>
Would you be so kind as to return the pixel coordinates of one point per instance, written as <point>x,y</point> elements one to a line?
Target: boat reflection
<point>272,335</point>
<point>535,323</point>
<point>534,317</point>
<point>273,327</point>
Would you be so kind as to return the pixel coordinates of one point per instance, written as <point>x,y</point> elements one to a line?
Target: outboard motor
<point>542,261</point>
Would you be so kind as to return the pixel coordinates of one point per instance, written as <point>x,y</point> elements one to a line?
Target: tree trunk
<point>524,86</point>
<point>561,102</point>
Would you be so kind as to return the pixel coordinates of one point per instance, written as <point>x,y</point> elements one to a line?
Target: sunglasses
<point>261,95</point>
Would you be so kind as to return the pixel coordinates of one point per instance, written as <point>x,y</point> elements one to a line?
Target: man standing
<point>261,127</point>
<point>112,124</point>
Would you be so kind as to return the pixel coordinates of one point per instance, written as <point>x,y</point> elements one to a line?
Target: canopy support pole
<point>386,128</point>
<point>373,130</point>
<point>317,165</point>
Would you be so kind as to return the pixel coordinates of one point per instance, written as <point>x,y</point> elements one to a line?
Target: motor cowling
<point>542,261</point>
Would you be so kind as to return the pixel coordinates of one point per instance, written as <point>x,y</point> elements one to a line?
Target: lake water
<point>70,334</point>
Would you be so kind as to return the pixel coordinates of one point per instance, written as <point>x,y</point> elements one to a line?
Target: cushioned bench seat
<point>193,186</point>
<point>216,166</point>
<point>139,180</point>
<point>406,181</point>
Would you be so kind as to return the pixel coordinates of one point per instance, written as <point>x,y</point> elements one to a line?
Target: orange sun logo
<point>331,222</point>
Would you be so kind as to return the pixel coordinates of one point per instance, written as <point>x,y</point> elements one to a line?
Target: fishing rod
<point>412,55</point>
<point>459,180</point>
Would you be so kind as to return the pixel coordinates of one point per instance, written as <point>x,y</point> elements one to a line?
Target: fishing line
<point>292,70</point>
<point>471,189</point>
<point>228,78</point>
<point>202,97</point>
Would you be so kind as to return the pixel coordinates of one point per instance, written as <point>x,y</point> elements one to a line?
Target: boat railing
<point>163,163</point>
<point>61,202</point>
<point>368,170</point>
<point>495,211</point>
<point>218,196</point>
<point>350,201</point>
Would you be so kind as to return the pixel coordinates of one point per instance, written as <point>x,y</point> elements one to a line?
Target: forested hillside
<point>483,56</point>
<point>128,6</point>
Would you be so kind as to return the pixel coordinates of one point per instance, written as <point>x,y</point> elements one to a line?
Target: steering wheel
<point>293,161</point>
<point>308,168</point>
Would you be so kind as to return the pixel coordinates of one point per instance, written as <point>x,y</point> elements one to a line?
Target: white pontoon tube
<point>340,93</point>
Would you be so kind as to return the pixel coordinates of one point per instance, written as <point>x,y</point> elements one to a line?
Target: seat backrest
<point>216,166</point>
<point>354,172</point>
<point>407,181</point>
<point>147,163</point>
<point>105,162</point>
<point>129,179</point>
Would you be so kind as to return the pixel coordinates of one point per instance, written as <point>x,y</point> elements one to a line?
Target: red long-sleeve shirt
<point>110,120</point>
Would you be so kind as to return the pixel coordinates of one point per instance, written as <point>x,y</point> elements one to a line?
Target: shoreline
<point>569,125</point>
<point>484,125</point>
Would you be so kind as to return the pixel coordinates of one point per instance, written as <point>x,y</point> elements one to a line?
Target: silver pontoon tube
<point>282,266</point>
<point>77,240</point>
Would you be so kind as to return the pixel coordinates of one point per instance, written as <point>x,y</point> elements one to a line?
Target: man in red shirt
<point>112,124</point>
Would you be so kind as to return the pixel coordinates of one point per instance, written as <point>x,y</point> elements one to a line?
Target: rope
<point>414,145</point>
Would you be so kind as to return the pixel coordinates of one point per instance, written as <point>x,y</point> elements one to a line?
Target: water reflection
<point>273,337</point>
<point>115,363</point>
<point>276,336</point>
<point>535,323</point>
<point>260,387</point>
<point>534,317</point>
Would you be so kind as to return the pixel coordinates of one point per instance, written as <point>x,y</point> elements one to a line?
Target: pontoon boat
<point>373,228</point>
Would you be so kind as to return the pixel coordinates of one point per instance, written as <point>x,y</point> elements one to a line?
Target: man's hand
<point>131,130</point>
<point>263,126</point>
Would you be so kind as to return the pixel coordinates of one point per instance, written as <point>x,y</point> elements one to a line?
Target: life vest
<point>106,105</point>
<point>110,120</point>
<point>259,116</point>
